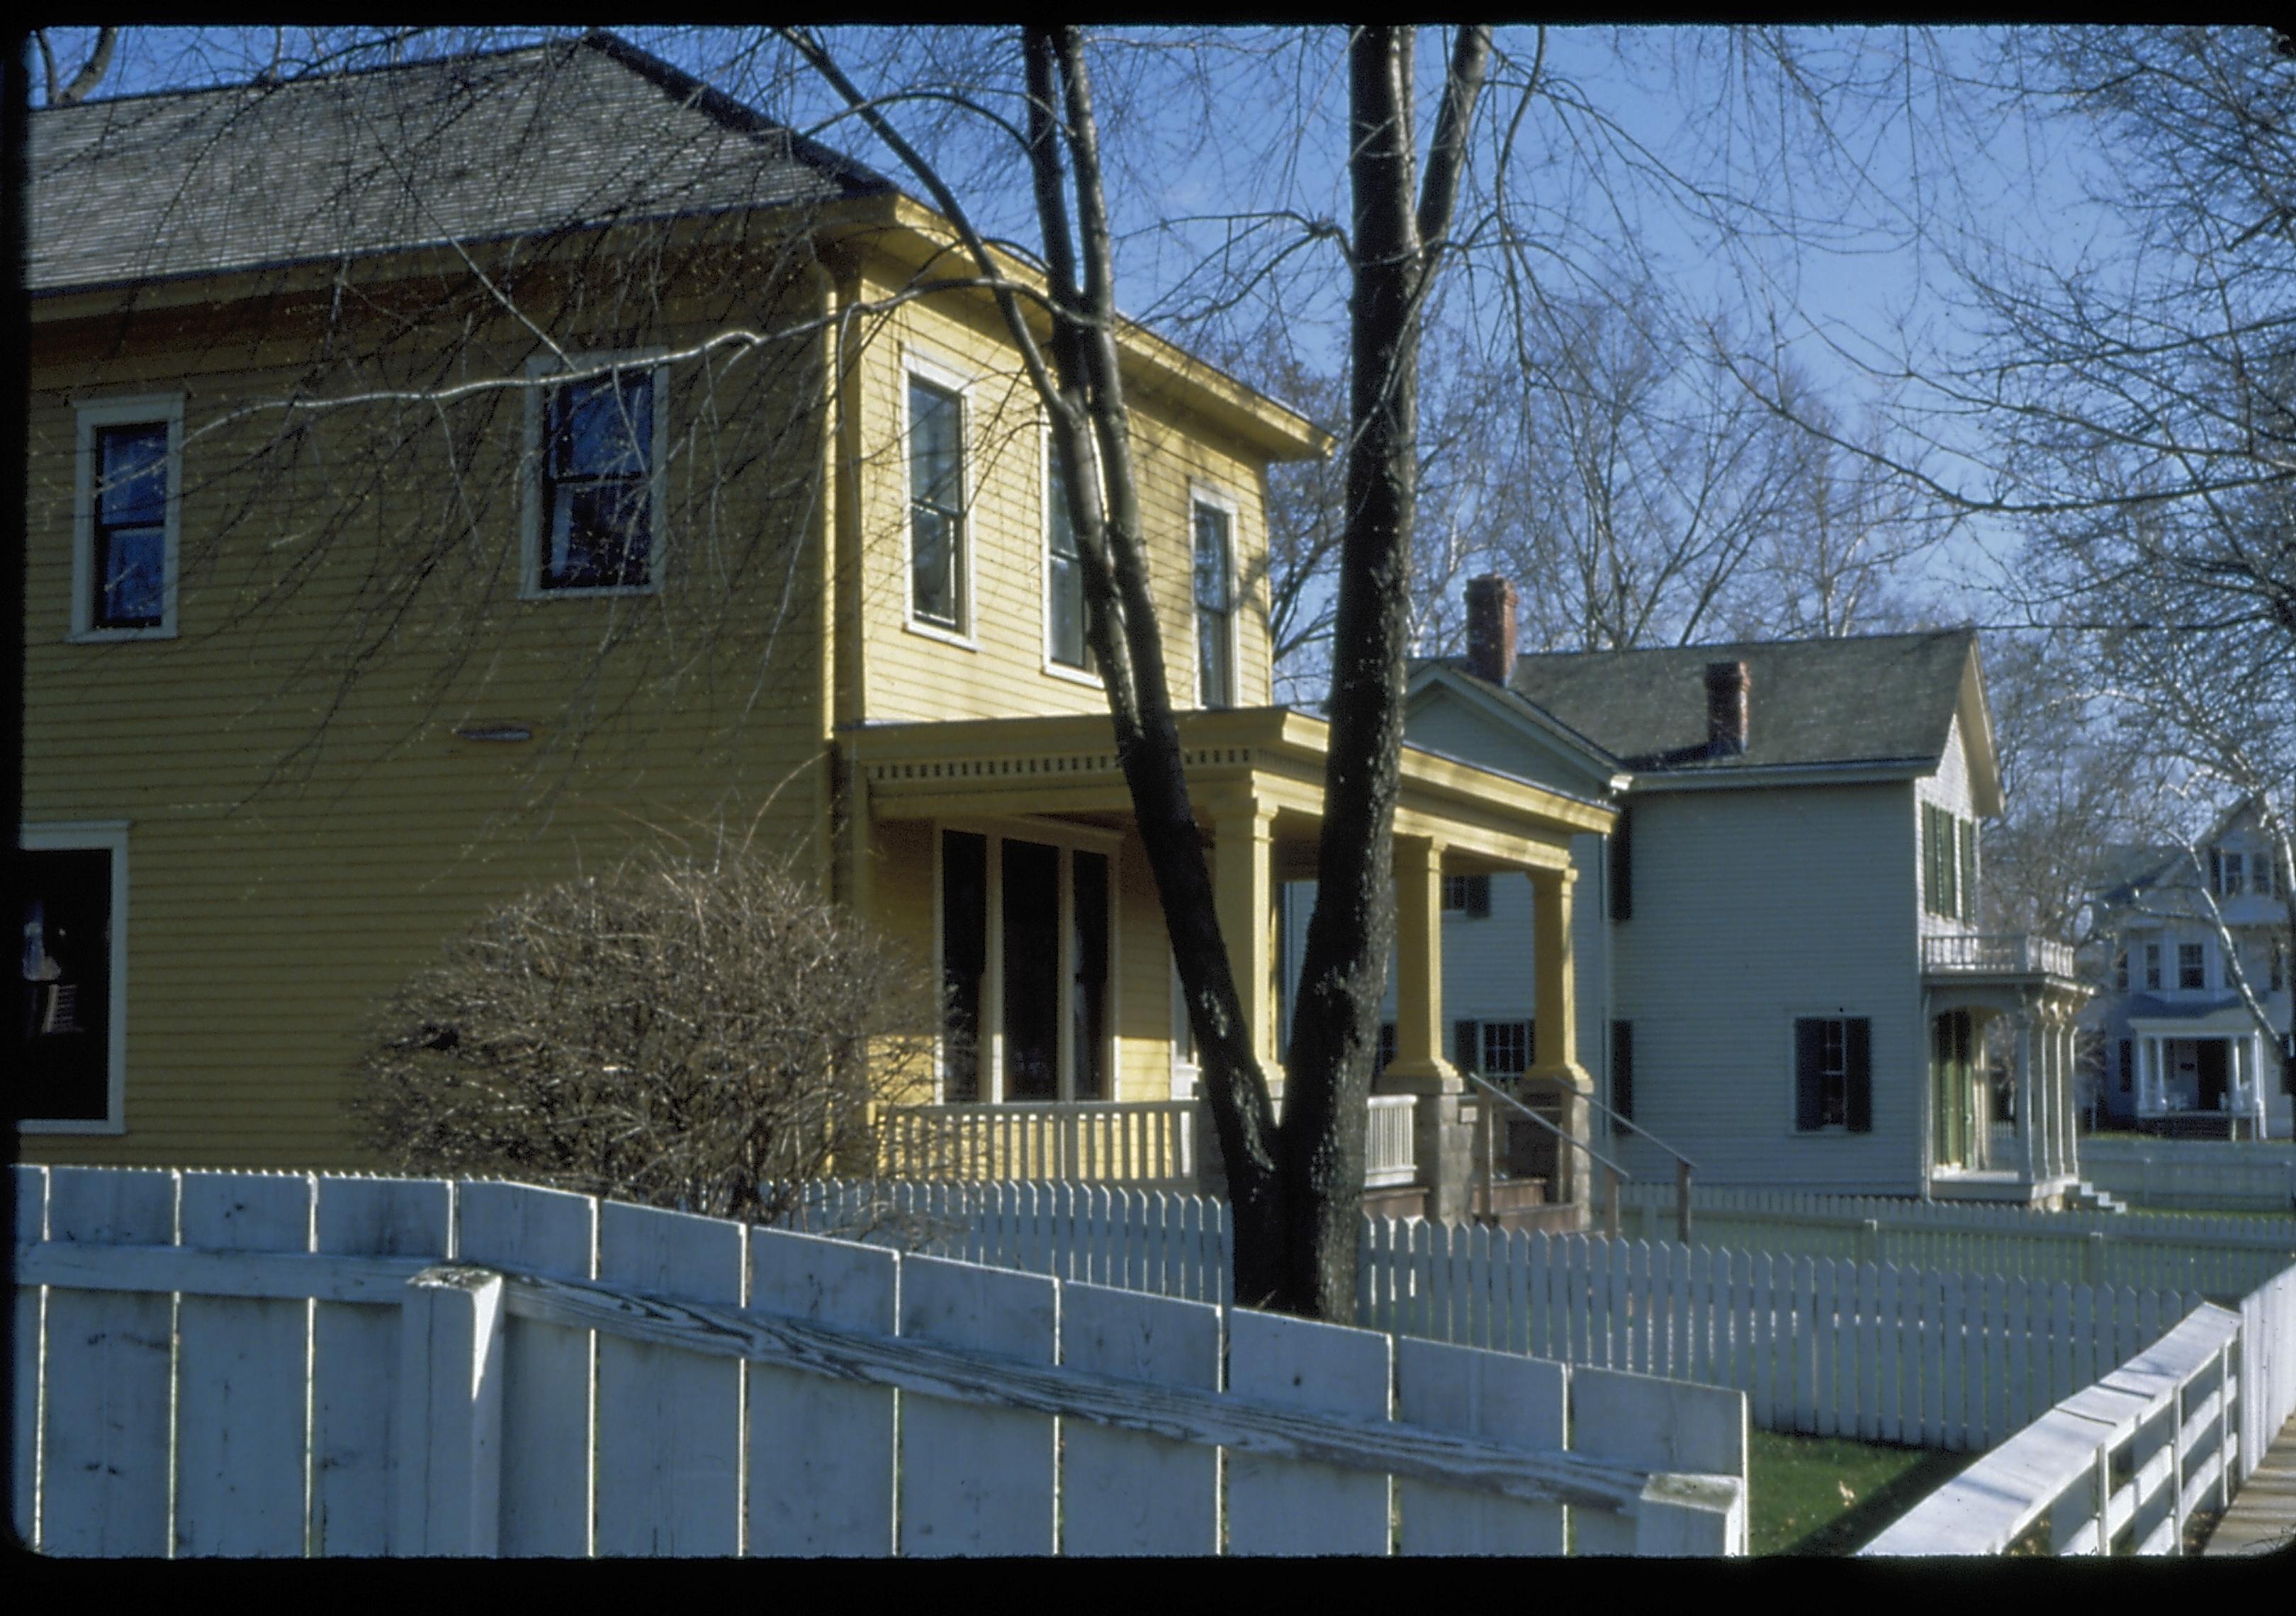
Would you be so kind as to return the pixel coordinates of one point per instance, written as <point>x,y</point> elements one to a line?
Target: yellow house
<point>443,476</point>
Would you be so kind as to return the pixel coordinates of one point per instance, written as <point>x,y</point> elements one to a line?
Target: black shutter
<point>1622,866</point>
<point>1809,1059</point>
<point>1467,1048</point>
<point>1622,1067</point>
<point>1859,1056</point>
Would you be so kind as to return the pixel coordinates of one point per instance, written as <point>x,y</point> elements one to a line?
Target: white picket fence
<point>2198,1173</point>
<point>1877,1352</point>
<point>2118,1467</point>
<point>2220,1256</point>
<point>217,1364</point>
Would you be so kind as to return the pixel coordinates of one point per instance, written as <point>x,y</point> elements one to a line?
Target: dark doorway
<point>2212,1053</point>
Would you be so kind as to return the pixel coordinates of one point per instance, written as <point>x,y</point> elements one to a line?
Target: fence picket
<point>1287,1506</point>
<point>975,1481</point>
<point>1123,1492</point>
<point>1519,1401</point>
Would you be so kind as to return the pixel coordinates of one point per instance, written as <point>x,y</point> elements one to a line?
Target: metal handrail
<point>1629,1123</point>
<point>1611,1171</point>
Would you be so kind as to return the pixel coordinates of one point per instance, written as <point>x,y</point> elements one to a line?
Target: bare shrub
<point>699,1034</point>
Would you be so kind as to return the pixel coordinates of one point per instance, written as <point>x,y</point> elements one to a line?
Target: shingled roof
<point>1885,699</point>
<point>468,148</point>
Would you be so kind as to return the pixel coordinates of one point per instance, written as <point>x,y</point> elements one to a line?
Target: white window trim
<point>1219,499</point>
<point>936,373</point>
<point>112,835</point>
<point>540,370</point>
<point>123,412</point>
<point>1052,666</point>
<point>1069,839</point>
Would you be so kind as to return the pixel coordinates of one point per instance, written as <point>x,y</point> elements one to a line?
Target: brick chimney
<point>1728,688</point>
<point>1490,629</point>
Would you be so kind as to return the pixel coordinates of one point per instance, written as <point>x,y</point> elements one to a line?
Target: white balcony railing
<point>2007,954</point>
<point>1388,1159</point>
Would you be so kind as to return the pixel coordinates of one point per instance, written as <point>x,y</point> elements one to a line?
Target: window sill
<point>106,636</point>
<point>30,1127</point>
<point>609,592</point>
<point>946,636</point>
<point>1073,675</point>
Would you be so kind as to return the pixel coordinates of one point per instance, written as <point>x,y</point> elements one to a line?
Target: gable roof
<point>1881,700</point>
<point>576,133</point>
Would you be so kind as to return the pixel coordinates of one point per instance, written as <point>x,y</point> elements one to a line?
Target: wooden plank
<point>1761,1340</point>
<point>1652,1426</point>
<point>1825,1334</point>
<point>1287,1506</point>
<point>29,1186</point>
<point>446,1482</point>
<point>1124,1493</point>
<point>354,1357</point>
<point>1516,1401</point>
<point>976,1481</point>
<point>242,1371</point>
<point>820,1450</point>
<point>548,1409</point>
<point>1891,1369</point>
<point>670,1423</point>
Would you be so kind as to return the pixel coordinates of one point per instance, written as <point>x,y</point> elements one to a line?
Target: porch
<point>2014,1141</point>
<point>2202,1068</point>
<point>1005,851</point>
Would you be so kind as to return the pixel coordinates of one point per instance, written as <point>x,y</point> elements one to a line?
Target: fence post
<point>1611,1201</point>
<point>1681,1202</point>
<point>2093,1259</point>
<point>2105,1490</point>
<point>449,1472</point>
<point>1869,1240</point>
<point>1698,1516</point>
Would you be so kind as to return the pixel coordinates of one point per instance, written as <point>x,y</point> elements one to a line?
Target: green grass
<point>1828,1496</point>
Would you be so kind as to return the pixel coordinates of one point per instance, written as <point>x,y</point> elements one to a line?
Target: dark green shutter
<point>1810,1059</point>
<point>1466,1051</point>
<point>1929,858</point>
<point>1622,866</point>
<point>1859,1056</point>
<point>1968,870</point>
<point>1622,1067</point>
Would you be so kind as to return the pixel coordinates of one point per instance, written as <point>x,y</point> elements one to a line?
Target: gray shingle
<point>1888,697</point>
<point>467,148</point>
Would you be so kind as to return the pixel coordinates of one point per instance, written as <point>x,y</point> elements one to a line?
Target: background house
<point>1776,953</point>
<point>2183,1050</point>
<point>447,474</point>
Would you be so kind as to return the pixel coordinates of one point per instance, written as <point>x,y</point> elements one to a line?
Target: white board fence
<point>219,1364</point>
<point>2223,1257</point>
<point>2247,1174</point>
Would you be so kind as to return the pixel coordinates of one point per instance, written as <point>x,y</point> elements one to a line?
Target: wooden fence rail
<point>2224,1258</point>
<point>219,1363</point>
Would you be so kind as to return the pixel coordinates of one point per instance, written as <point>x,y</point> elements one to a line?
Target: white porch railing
<point>1388,1159</point>
<point>2010,953</point>
<point>1149,1143</point>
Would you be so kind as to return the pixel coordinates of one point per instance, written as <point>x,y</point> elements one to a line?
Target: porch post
<point>2068,1042</point>
<point>1555,1029</point>
<point>2052,1081</point>
<point>2028,1032</point>
<point>1243,830</point>
<point>1442,1136</point>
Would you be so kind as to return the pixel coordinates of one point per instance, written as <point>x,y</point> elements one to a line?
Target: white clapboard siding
<point>103,1481</point>
<point>1298,1506</point>
<point>818,1483</point>
<point>976,1481</point>
<point>548,1410</point>
<point>1123,1492</point>
<point>670,1423</point>
<point>355,1352</point>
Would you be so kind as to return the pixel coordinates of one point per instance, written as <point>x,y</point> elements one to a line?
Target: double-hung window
<point>2153,967</point>
<point>2192,965</point>
<point>70,1064</point>
<point>126,518</point>
<point>1065,610</point>
<point>1833,1073</point>
<point>597,489</point>
<point>1215,595</point>
<point>937,538</point>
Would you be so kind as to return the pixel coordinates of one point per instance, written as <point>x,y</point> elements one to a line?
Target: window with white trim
<point>126,505</point>
<point>70,1063</point>
<point>2192,965</point>
<point>1215,599</point>
<point>1065,610</point>
<point>595,511</point>
<point>937,535</point>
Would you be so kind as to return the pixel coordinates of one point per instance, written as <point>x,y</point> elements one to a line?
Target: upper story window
<point>125,509</point>
<point>2227,873</point>
<point>2192,965</point>
<point>937,537</point>
<point>1467,895</point>
<point>1215,595</point>
<point>2153,967</point>
<point>1949,864</point>
<point>2120,971</point>
<point>597,510</point>
<point>1065,610</point>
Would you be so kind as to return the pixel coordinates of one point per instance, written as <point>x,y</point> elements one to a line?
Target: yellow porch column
<point>1419,967</point>
<point>1556,994</point>
<point>1244,894</point>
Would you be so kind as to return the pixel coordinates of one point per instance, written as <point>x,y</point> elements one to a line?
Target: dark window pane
<point>1031,889</point>
<point>133,472</point>
<point>600,519</point>
<point>131,565</point>
<point>1215,597</point>
<point>603,426</point>
<point>599,536</point>
<point>933,560</point>
<point>64,1055</point>
<point>936,456</point>
<point>1065,611</point>
<point>964,956</point>
<point>1088,993</point>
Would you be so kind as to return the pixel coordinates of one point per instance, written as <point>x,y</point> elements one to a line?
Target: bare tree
<point>700,1032</point>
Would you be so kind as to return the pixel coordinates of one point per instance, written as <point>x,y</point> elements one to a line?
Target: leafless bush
<point>701,1034</point>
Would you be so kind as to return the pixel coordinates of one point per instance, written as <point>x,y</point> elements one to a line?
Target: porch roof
<point>1066,764</point>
